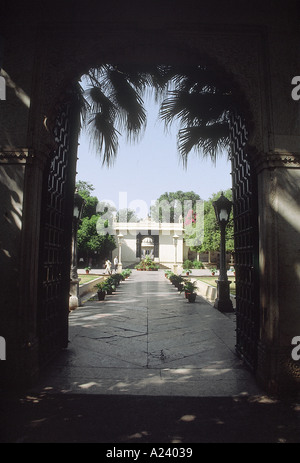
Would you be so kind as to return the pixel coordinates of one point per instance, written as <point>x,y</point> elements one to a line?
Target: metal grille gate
<point>245,216</point>
<point>56,232</point>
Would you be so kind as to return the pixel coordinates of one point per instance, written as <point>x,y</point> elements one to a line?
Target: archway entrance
<point>56,233</point>
<point>250,47</point>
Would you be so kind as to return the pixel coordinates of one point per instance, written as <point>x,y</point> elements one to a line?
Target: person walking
<point>108,266</point>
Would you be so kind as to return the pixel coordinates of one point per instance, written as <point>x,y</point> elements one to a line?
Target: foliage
<point>101,286</point>
<point>199,96</point>
<point>187,264</point>
<point>126,273</point>
<point>89,240</point>
<point>117,278</point>
<point>126,215</point>
<point>147,264</point>
<point>176,280</point>
<point>168,273</point>
<point>202,101</point>
<point>197,264</point>
<point>114,102</point>
<point>85,189</point>
<point>169,207</point>
<point>190,286</point>
<point>211,238</point>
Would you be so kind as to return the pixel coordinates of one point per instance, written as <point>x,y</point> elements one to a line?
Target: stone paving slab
<point>147,339</point>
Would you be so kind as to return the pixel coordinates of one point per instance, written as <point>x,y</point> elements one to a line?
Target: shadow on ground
<point>50,418</point>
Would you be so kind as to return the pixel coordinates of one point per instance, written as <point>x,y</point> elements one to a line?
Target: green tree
<point>90,241</point>
<point>126,215</point>
<point>169,207</point>
<point>211,237</point>
<point>85,190</point>
<point>92,236</point>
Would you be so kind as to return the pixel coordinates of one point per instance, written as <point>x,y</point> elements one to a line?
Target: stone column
<point>21,180</point>
<point>279,257</point>
<point>75,300</point>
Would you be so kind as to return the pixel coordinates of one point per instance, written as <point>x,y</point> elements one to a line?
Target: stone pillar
<point>279,257</point>
<point>21,180</point>
<point>75,300</point>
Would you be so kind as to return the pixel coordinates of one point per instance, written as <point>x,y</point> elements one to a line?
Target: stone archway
<point>53,54</point>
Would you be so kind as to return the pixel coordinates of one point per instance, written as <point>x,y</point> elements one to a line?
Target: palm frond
<point>209,140</point>
<point>198,96</point>
<point>131,114</point>
<point>195,108</point>
<point>99,102</point>
<point>104,137</point>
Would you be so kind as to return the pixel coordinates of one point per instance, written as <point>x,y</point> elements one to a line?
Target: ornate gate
<point>56,233</point>
<point>245,215</point>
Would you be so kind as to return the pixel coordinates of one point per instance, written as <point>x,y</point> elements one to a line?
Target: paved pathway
<point>146,366</point>
<point>147,339</point>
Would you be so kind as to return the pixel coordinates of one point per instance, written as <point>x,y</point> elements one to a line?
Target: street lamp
<point>74,300</point>
<point>120,241</point>
<point>222,210</point>
<point>175,242</point>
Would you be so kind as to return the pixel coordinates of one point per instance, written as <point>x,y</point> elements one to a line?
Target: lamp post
<point>175,242</point>
<point>120,241</point>
<point>222,210</point>
<point>74,300</point>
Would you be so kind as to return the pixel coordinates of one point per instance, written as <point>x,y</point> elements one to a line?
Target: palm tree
<point>115,103</point>
<point>203,102</point>
<point>199,96</point>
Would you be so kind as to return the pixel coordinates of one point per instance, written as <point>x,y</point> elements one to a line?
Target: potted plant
<point>111,282</point>
<point>126,273</point>
<point>107,286</point>
<point>174,279</point>
<point>87,270</point>
<point>180,283</point>
<point>101,290</point>
<point>190,288</point>
<point>213,271</point>
<point>170,275</point>
<point>116,277</point>
<point>147,264</point>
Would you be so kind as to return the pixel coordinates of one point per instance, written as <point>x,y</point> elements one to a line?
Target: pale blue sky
<point>143,171</point>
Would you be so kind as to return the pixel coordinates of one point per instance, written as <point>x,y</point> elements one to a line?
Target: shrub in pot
<point>190,288</point>
<point>126,273</point>
<point>101,290</point>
